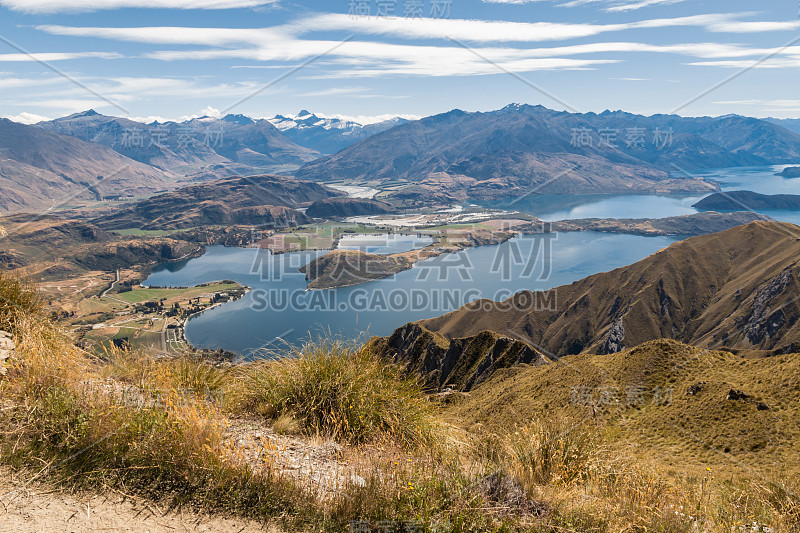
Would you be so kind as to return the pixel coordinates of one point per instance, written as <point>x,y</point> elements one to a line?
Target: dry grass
<point>589,486</point>
<point>138,424</point>
<point>345,392</point>
<point>69,423</point>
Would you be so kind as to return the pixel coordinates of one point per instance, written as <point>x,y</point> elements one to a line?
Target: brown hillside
<point>672,400</point>
<point>257,200</point>
<point>737,289</point>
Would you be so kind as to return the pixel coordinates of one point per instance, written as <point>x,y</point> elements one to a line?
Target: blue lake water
<point>279,310</point>
<point>562,207</point>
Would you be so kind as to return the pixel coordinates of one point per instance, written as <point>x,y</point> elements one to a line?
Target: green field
<point>143,295</point>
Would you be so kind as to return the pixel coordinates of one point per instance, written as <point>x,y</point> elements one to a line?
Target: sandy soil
<point>36,509</point>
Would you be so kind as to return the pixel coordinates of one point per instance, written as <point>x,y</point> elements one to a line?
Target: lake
<point>279,311</point>
<point>563,207</point>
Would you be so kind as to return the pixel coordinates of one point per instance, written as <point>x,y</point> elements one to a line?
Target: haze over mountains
<point>791,124</point>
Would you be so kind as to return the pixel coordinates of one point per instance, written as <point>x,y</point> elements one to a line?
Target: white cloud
<point>425,28</point>
<point>353,59</point>
<point>68,105</point>
<point>772,103</point>
<point>772,63</point>
<point>211,112</point>
<point>488,31</point>
<point>59,6</point>
<point>57,56</point>
<point>173,34</point>
<point>338,91</point>
<point>376,59</point>
<point>27,118</point>
<point>615,7</point>
<point>753,27</point>
<point>15,83</point>
<point>632,6</point>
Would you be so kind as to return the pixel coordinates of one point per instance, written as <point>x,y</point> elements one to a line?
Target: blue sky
<point>179,58</point>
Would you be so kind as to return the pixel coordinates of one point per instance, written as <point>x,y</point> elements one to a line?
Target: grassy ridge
<point>147,426</point>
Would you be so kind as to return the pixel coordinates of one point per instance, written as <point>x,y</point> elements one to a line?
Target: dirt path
<point>34,509</point>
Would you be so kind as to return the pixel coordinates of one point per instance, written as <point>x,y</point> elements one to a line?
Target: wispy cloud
<point>773,63</point>
<point>15,83</point>
<point>633,6</point>
<point>339,91</point>
<point>371,58</point>
<point>57,56</point>
<point>611,6</point>
<point>490,31</point>
<point>482,31</point>
<point>60,6</point>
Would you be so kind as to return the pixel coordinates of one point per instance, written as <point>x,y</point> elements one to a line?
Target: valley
<point>651,312</point>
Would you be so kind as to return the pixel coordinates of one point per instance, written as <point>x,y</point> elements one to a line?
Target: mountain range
<point>532,149</point>
<point>40,170</point>
<point>441,159</point>
<point>734,290</point>
<point>200,148</point>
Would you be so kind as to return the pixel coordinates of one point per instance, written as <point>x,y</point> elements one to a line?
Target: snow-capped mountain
<point>325,134</point>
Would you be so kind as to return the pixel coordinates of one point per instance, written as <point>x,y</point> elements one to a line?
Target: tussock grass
<point>556,452</point>
<point>345,392</point>
<point>187,373</point>
<point>19,300</point>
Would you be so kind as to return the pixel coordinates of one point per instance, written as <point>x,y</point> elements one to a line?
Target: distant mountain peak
<point>238,119</point>
<point>87,113</point>
<point>303,113</point>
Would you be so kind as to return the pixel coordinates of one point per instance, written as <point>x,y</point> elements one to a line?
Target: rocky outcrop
<point>763,323</point>
<point>7,347</point>
<point>459,364</point>
<point>616,338</point>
